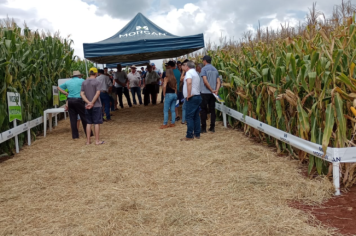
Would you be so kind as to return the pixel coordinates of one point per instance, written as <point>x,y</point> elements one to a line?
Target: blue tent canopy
<point>141,40</point>
<point>124,64</point>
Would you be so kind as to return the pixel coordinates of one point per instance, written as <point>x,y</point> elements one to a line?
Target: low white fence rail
<point>25,127</point>
<point>333,155</point>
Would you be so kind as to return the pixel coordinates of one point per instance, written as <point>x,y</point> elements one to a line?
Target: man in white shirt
<point>135,84</point>
<point>191,92</point>
<point>121,80</point>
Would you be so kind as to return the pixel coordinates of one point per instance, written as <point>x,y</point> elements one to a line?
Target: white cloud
<point>93,20</point>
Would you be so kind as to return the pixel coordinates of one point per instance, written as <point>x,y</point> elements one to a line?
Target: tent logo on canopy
<point>141,30</point>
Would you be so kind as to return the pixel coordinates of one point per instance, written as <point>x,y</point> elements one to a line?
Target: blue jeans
<point>136,90</point>
<point>170,104</point>
<point>192,116</point>
<point>184,107</point>
<point>105,98</point>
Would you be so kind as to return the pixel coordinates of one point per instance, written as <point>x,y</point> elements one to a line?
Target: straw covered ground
<point>145,181</point>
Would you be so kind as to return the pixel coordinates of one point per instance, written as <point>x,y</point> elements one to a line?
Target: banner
<point>55,96</point>
<point>62,97</point>
<point>14,105</point>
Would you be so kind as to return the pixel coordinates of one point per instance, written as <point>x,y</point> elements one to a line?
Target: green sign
<point>14,105</point>
<point>62,97</point>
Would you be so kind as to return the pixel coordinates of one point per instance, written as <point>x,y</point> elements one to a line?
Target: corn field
<point>300,80</point>
<point>30,64</point>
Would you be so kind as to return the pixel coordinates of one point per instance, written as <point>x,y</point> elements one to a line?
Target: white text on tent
<point>141,32</point>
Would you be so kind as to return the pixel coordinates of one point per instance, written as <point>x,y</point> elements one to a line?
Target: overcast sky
<point>90,21</point>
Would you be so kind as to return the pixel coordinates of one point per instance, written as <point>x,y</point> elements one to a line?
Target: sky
<point>88,21</point>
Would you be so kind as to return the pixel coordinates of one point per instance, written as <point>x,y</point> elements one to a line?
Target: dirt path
<point>144,181</point>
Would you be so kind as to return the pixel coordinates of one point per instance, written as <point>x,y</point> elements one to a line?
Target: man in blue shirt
<point>76,105</point>
<point>209,84</point>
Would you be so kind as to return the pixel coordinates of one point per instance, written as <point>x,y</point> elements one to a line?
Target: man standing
<point>121,79</point>
<point>177,74</point>
<point>150,83</point>
<point>112,94</point>
<point>76,105</point>
<point>90,93</point>
<point>135,84</point>
<point>191,92</point>
<point>154,68</point>
<point>209,84</point>
<point>105,89</point>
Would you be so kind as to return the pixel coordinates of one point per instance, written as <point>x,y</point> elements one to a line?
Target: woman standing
<point>170,94</point>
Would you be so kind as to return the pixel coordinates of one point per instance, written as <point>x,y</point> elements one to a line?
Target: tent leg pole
<point>86,67</point>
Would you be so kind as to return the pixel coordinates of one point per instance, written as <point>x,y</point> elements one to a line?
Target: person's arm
<point>189,88</point>
<point>62,88</point>
<point>109,83</point>
<point>218,83</point>
<point>207,85</point>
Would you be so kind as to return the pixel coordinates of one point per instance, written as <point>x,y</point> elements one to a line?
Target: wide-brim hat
<point>133,66</point>
<point>76,73</point>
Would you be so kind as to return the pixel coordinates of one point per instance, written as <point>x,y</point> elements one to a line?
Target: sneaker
<point>177,118</point>
<point>203,131</point>
<point>163,127</point>
<point>172,125</point>
<point>197,137</point>
<point>212,130</point>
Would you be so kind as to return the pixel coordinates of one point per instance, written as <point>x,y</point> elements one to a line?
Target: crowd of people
<point>191,85</point>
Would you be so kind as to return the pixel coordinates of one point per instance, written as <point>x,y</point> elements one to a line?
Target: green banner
<point>62,97</point>
<point>14,105</point>
<point>15,113</point>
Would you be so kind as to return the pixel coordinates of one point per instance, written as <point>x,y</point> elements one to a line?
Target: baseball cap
<point>207,58</point>
<point>152,64</point>
<point>95,70</point>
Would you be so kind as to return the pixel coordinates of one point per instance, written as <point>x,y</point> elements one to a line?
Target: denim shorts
<point>94,116</point>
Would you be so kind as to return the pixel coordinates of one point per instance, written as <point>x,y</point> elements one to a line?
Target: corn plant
<point>304,84</point>
<point>30,64</point>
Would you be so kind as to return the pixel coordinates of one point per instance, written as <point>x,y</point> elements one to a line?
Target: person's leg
<point>212,111</point>
<point>154,94</point>
<point>97,120</point>
<point>112,103</point>
<point>165,110</point>
<point>104,97</point>
<point>184,108</point>
<point>190,113</point>
<point>204,111</point>
<point>78,122</point>
<point>138,89</point>
<point>173,102</point>
<point>82,114</point>
<point>146,96</point>
<point>73,118</point>
<point>162,98</point>
<point>133,91</point>
<point>88,131</point>
<point>97,132</point>
<point>119,94</point>
<point>197,101</point>
<point>127,95</point>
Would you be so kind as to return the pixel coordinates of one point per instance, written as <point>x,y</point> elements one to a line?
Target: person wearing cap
<point>150,83</point>
<point>209,85</point>
<point>121,80</point>
<point>76,105</point>
<point>90,92</point>
<point>112,93</point>
<point>154,68</point>
<point>181,98</point>
<point>191,92</point>
<point>135,84</point>
<point>105,89</point>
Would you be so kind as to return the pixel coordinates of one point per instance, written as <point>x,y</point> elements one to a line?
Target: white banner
<point>332,154</point>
